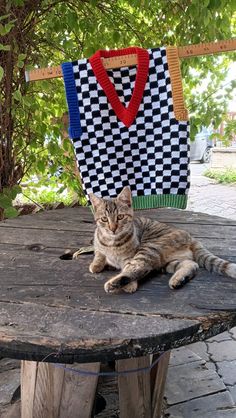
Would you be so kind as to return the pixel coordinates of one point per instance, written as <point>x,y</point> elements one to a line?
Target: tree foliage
<point>229,133</point>
<point>42,33</point>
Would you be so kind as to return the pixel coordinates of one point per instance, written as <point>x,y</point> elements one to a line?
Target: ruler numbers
<point>128,60</point>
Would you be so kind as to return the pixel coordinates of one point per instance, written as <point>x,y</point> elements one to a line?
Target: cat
<point>138,245</point>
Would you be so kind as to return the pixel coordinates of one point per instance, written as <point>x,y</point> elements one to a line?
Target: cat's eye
<point>119,217</point>
<point>104,219</point>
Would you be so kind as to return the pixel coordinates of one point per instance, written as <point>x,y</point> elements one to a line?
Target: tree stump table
<point>53,310</point>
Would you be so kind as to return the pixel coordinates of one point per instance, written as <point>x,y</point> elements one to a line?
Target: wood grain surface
<point>49,305</point>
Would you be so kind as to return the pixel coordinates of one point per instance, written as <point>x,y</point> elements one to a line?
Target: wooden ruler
<point>207,48</point>
<point>121,61</point>
<point>128,60</point>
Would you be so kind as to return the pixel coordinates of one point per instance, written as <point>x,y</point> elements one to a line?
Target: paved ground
<point>201,381</point>
<point>207,196</point>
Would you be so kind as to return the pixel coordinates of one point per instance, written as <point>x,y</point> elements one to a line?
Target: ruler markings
<point>131,59</point>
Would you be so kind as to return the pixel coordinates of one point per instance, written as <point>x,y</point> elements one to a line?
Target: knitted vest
<point>129,126</point>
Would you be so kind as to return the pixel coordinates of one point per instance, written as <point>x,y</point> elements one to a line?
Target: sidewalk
<point>201,381</point>
<point>210,197</point>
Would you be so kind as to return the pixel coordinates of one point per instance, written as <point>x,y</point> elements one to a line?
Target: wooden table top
<point>49,305</point>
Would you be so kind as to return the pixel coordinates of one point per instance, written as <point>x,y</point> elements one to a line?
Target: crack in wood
<point>206,322</point>
<point>27,227</point>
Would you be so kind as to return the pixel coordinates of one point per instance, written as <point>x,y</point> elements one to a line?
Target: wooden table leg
<point>52,392</point>
<point>134,388</point>
<point>141,394</point>
<point>159,384</point>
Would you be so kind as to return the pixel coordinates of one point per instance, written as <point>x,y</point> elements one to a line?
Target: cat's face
<point>113,215</point>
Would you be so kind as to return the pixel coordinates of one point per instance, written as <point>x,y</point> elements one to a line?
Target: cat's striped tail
<point>211,262</point>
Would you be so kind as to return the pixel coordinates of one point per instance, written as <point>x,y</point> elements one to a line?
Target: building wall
<point>223,158</point>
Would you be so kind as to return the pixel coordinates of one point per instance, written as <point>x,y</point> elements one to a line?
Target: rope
<point>114,374</point>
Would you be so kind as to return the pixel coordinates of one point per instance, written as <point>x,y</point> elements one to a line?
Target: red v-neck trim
<point>125,114</point>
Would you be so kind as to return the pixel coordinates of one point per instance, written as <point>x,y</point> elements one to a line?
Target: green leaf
<point>21,57</point>
<point>53,148</point>
<point>116,36</point>
<point>10,212</point>
<point>215,135</point>
<point>5,29</point>
<point>12,192</point>
<point>215,4</point>
<point>1,72</point>
<point>61,190</point>
<point>20,64</point>
<point>72,19</point>
<point>193,131</point>
<point>17,95</point>
<point>66,144</point>
<point>5,47</point>
<point>27,101</point>
<point>68,44</point>
<point>16,190</point>
<point>18,2</point>
<point>233,84</point>
<point>4,17</point>
<point>206,18</point>
<point>8,27</point>
<point>41,166</point>
<point>89,51</point>
<point>5,201</point>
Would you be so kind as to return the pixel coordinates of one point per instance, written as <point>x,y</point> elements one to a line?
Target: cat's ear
<point>125,196</point>
<point>96,201</point>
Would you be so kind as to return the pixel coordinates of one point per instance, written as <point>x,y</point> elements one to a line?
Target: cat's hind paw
<point>178,282</point>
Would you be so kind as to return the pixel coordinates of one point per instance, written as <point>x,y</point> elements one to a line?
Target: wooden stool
<point>51,392</point>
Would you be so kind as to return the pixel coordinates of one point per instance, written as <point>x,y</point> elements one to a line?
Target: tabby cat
<point>137,245</point>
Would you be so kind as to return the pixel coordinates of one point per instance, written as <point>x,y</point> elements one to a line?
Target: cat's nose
<point>113,227</point>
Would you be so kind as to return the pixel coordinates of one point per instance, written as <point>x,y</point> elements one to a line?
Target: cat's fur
<point>138,245</point>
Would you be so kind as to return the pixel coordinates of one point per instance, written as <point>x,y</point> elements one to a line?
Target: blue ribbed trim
<point>72,100</point>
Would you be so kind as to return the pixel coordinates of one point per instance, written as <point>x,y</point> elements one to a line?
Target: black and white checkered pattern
<point>151,156</point>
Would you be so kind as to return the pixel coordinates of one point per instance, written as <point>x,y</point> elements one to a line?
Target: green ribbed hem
<point>158,201</point>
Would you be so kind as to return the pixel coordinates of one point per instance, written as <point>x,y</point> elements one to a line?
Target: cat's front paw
<point>110,288</point>
<point>95,268</point>
<point>131,287</point>
<point>116,284</point>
